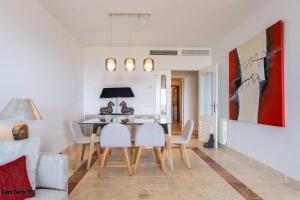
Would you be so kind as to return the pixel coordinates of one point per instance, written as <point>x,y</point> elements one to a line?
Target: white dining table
<point>96,123</point>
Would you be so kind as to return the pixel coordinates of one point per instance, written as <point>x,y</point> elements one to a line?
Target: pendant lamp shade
<point>148,65</point>
<point>110,64</point>
<point>129,64</point>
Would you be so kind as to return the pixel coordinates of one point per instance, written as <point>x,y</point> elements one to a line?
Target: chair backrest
<point>115,135</point>
<point>150,135</point>
<point>76,131</point>
<point>188,130</point>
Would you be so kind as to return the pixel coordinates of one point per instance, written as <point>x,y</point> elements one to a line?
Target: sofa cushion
<point>11,150</point>
<point>52,171</point>
<point>48,194</point>
<point>14,182</point>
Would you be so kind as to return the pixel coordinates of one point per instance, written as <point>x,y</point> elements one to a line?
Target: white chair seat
<point>150,135</point>
<point>184,139</point>
<point>80,141</point>
<point>178,139</point>
<point>114,135</point>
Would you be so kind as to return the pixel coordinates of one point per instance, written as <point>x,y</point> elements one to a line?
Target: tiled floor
<point>201,182</point>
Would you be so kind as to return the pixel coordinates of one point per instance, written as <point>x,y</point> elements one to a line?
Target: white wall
<point>276,147</point>
<point>190,92</point>
<point>143,84</point>
<point>40,60</point>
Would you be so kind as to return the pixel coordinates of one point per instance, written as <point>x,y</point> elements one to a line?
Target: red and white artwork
<point>256,79</point>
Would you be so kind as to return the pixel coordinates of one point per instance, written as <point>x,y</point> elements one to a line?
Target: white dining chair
<point>115,136</point>
<point>183,139</point>
<point>150,135</point>
<point>80,141</point>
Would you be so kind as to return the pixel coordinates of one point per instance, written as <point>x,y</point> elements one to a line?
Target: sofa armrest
<point>52,171</point>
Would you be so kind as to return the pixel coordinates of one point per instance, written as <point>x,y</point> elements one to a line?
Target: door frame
<point>215,118</point>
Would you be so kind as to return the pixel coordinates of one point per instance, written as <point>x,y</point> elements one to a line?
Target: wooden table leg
<point>169,152</point>
<point>92,143</point>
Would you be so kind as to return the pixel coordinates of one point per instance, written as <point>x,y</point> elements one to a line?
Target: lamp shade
<point>116,92</point>
<point>148,65</point>
<point>110,64</point>
<point>129,64</point>
<point>19,110</point>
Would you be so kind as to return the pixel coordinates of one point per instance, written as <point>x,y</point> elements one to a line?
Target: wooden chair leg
<point>186,156</point>
<point>131,151</point>
<point>107,156</point>
<point>78,148</point>
<point>181,151</point>
<point>98,153</point>
<point>82,153</point>
<point>164,151</point>
<point>134,153</point>
<point>156,155</point>
<point>103,160</point>
<point>127,161</point>
<point>161,160</point>
<point>138,155</point>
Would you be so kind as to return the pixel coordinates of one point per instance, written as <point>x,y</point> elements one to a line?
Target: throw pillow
<point>11,150</point>
<point>14,181</point>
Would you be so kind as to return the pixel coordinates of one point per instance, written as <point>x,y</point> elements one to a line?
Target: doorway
<point>177,104</point>
<point>184,104</point>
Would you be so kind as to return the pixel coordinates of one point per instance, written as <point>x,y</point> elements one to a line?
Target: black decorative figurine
<point>211,142</point>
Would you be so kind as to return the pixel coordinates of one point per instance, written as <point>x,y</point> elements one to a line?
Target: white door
<point>208,103</point>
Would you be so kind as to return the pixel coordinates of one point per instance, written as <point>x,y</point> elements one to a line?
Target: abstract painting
<point>256,79</point>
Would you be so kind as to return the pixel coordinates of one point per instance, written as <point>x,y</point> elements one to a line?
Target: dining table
<point>97,123</point>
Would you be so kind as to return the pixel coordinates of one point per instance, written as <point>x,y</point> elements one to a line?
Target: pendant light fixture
<point>110,63</point>
<point>148,64</point>
<point>129,63</point>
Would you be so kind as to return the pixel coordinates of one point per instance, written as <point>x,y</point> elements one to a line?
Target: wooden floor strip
<point>76,177</point>
<point>240,187</point>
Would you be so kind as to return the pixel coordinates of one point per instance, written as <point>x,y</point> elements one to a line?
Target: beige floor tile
<point>153,183</point>
<point>199,182</point>
<point>112,183</point>
<point>275,191</point>
<point>121,195</point>
<point>257,177</point>
<point>221,191</point>
<point>182,183</point>
<point>155,195</point>
<point>199,194</point>
<point>87,191</point>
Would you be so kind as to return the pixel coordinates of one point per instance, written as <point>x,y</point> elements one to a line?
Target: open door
<point>208,103</point>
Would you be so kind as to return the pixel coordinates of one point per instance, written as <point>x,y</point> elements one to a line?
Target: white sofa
<point>48,173</point>
<point>51,177</point>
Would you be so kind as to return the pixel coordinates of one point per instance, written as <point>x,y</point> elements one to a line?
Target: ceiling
<point>190,23</point>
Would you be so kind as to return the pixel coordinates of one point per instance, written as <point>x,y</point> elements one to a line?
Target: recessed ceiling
<point>188,23</point>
